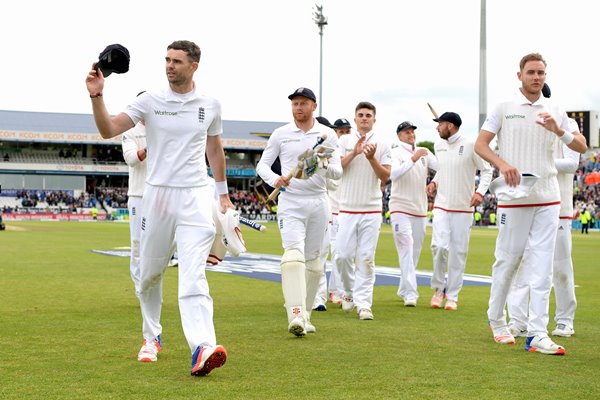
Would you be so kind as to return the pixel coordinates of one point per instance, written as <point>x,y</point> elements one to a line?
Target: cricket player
<point>527,128</point>
<point>453,207</point>
<point>303,212</point>
<point>366,160</point>
<point>408,206</point>
<point>341,127</point>
<point>134,153</point>
<point>182,126</point>
<point>566,162</point>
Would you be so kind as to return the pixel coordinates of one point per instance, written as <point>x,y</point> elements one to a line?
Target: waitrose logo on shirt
<point>158,112</point>
<point>513,116</point>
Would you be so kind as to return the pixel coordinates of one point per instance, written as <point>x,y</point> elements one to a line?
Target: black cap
<point>546,91</point>
<point>404,125</point>
<point>303,92</point>
<point>324,121</point>
<point>451,117</point>
<point>341,123</point>
<point>114,58</point>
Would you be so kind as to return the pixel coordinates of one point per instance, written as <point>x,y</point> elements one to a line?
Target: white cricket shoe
<point>365,314</point>
<point>297,326</point>
<point>563,330</point>
<point>309,327</point>
<point>544,345</point>
<point>206,358</point>
<point>347,304</point>
<point>451,305</point>
<point>517,331</point>
<point>335,299</point>
<point>149,351</point>
<point>437,299</point>
<point>502,335</point>
<point>410,302</point>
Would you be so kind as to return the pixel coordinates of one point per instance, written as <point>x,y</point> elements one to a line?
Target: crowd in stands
<point>586,195</point>
<point>247,204</point>
<point>65,201</point>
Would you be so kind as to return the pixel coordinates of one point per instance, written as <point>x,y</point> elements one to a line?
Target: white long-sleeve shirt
<point>455,178</point>
<point>360,188</point>
<point>133,141</point>
<point>287,143</point>
<point>409,179</point>
<point>566,162</point>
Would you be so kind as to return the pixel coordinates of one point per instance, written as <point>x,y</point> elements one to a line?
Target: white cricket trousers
<point>356,244</point>
<point>335,280</point>
<point>302,223</point>
<point>450,246</point>
<point>530,233</point>
<point>562,280</point>
<point>134,205</point>
<point>184,213</point>
<point>409,233</point>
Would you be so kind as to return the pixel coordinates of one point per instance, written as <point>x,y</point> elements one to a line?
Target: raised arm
<point>107,126</point>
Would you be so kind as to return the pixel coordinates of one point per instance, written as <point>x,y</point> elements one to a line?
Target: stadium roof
<point>28,126</point>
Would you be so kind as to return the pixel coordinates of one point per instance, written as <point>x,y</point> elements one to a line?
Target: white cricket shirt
<point>409,179</point>
<point>287,143</point>
<point>455,178</point>
<point>176,129</point>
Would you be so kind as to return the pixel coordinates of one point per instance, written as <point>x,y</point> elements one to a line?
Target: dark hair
<point>191,49</point>
<point>367,105</point>
<point>531,57</point>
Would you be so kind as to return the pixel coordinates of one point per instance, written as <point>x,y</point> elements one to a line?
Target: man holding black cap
<point>303,211</point>
<point>182,126</point>
<point>408,206</point>
<point>453,207</point>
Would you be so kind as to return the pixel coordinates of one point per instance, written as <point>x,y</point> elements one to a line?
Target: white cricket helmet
<point>503,192</point>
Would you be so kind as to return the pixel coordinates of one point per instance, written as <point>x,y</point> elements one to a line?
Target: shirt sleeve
<point>334,169</point>
<point>216,125</point>
<point>399,167</point>
<point>130,148</point>
<point>263,169</point>
<point>485,174</point>
<point>569,161</point>
<point>493,121</point>
<point>432,161</point>
<point>386,154</point>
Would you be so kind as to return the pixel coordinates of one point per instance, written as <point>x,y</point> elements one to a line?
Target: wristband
<point>567,138</point>
<point>93,96</point>
<point>221,188</point>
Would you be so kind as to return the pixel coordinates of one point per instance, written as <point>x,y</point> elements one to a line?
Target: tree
<point>426,144</point>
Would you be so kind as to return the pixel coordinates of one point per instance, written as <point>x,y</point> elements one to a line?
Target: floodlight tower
<point>482,65</point>
<point>321,21</point>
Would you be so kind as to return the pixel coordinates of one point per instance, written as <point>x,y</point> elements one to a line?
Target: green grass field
<point>70,328</point>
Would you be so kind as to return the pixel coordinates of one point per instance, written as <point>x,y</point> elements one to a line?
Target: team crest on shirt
<point>460,150</point>
<point>201,114</point>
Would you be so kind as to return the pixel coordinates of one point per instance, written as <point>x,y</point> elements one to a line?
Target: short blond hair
<point>531,57</point>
